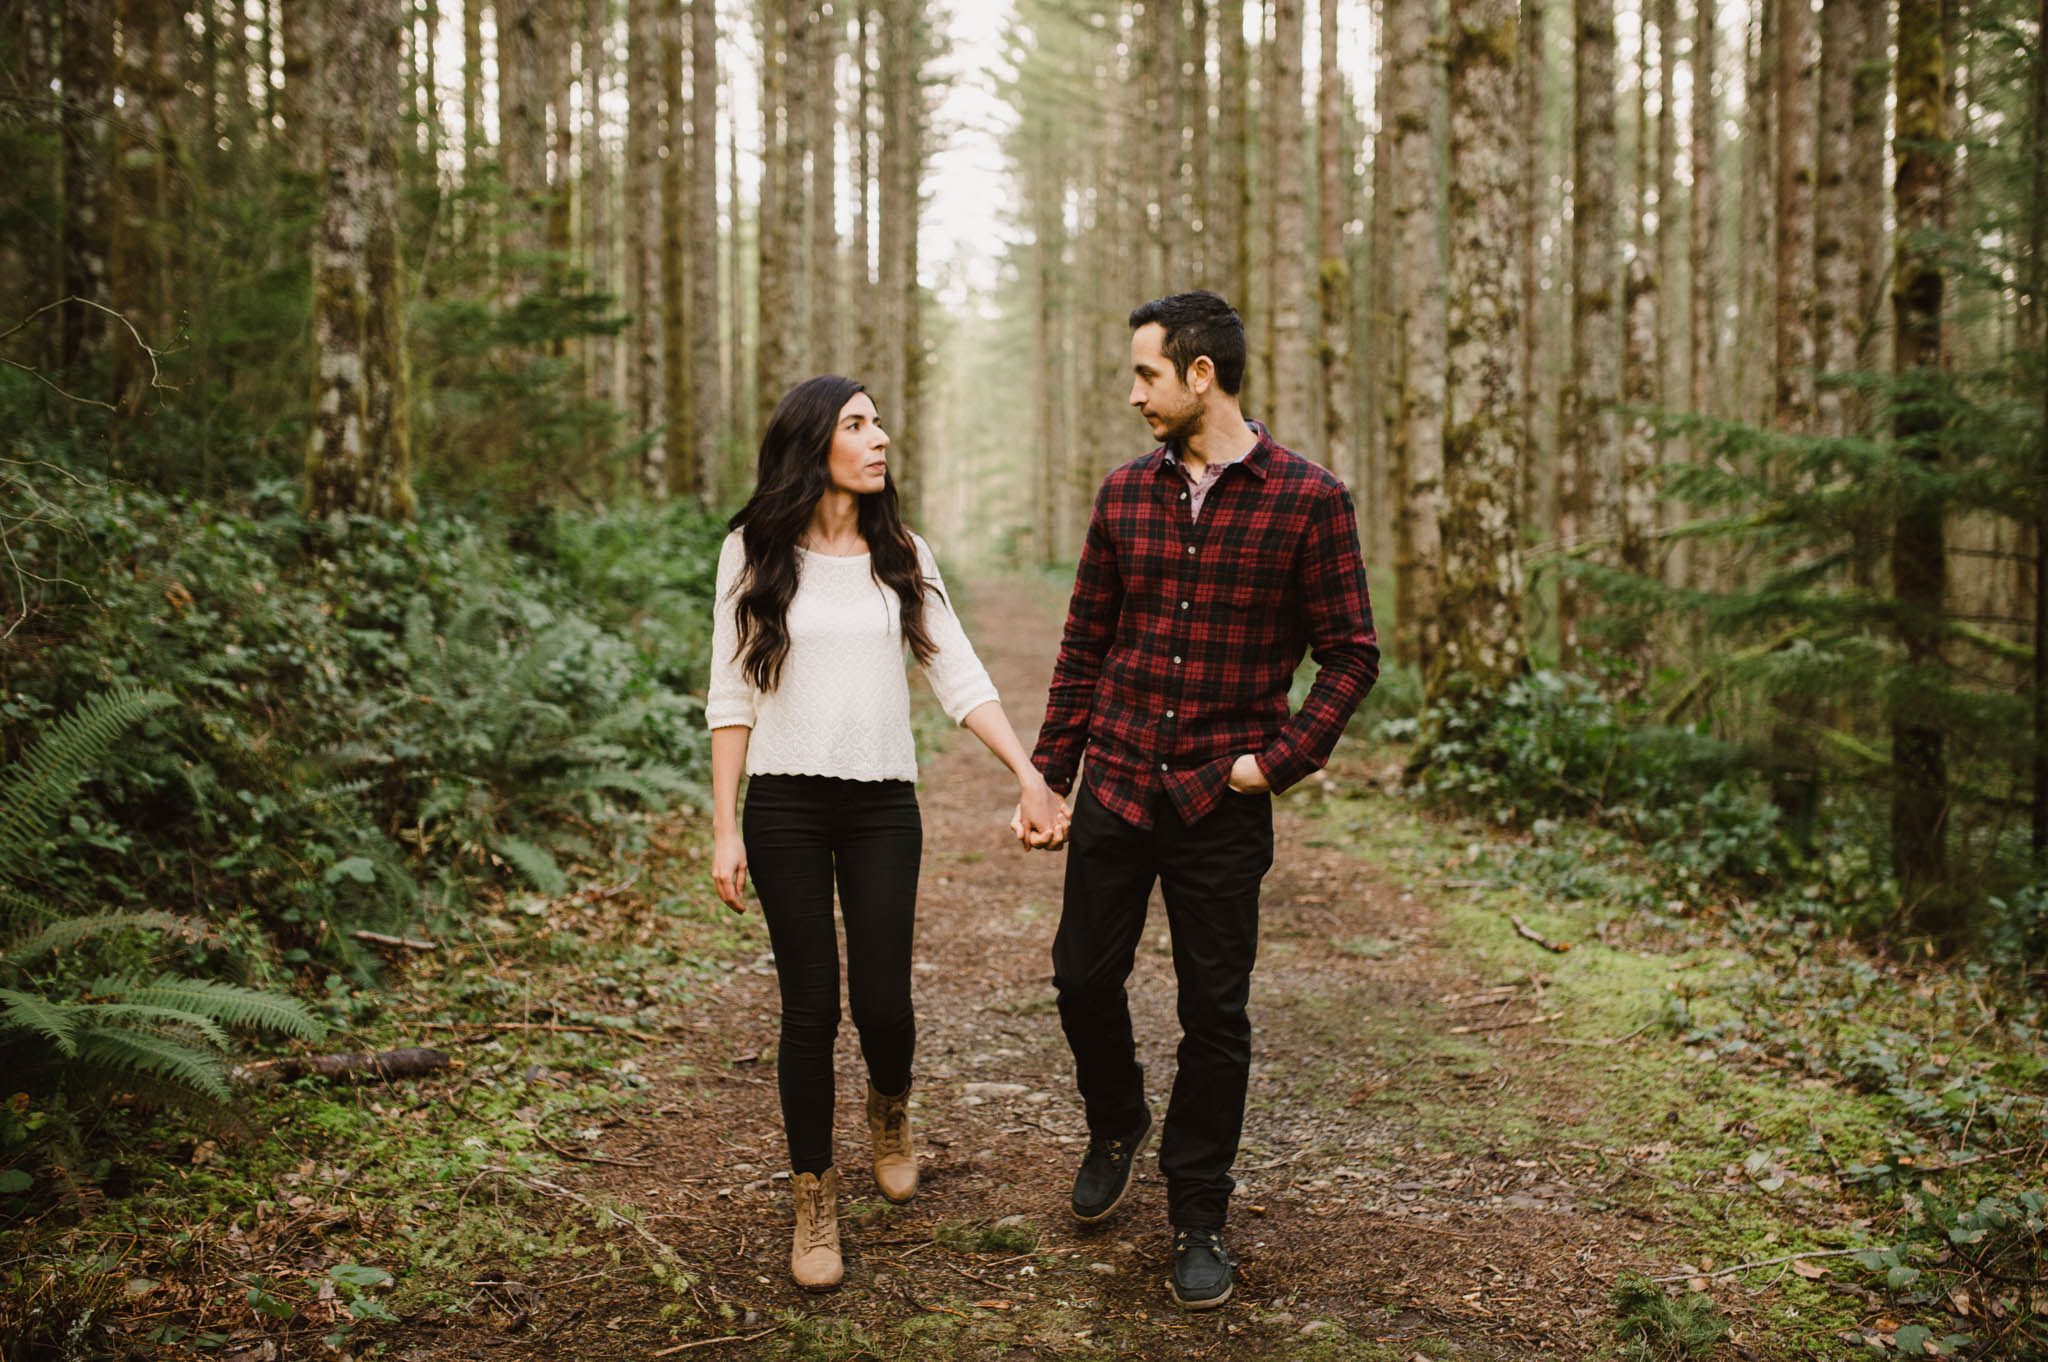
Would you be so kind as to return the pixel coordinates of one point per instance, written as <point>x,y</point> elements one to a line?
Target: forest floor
<point>1457,1142</point>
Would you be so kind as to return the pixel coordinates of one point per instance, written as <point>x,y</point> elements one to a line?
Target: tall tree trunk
<point>1640,332</point>
<point>1415,54</point>
<point>798,94</point>
<point>1202,265</point>
<point>1529,103</point>
<point>522,138</point>
<point>902,118</point>
<point>2035,334</point>
<point>299,25</point>
<point>472,108</point>
<point>909,458</point>
<point>679,476</point>
<point>1919,572</point>
<point>140,174</point>
<point>1870,84</point>
<point>826,312</point>
<point>776,300</point>
<point>560,194</point>
<point>740,390</point>
<point>1669,230</point>
<point>1233,270</point>
<point>1289,304</point>
<point>1333,274</point>
<point>863,166</point>
<point>357,458</point>
<point>1706,212</point>
<point>86,56</point>
<point>1753,381</point>
<point>645,393</point>
<point>707,401</point>
<point>1587,471</point>
<point>1481,596</point>
<point>1388,481</point>
<point>1836,306</point>
<point>600,352</point>
<point>1796,106</point>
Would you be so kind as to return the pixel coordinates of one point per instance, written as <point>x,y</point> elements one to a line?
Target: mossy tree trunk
<point>707,401</point>
<point>1333,268</point>
<point>1480,600</point>
<point>358,458</point>
<point>1414,61</point>
<point>1587,474</point>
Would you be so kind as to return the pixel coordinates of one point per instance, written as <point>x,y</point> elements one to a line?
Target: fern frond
<point>232,1004</point>
<point>534,862</point>
<point>43,781</point>
<point>16,906</point>
<point>105,1054</point>
<point>421,647</point>
<point>56,1022</point>
<point>159,1021</point>
<point>71,931</point>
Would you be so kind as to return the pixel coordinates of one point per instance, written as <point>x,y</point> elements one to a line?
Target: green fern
<point>47,774</point>
<point>55,1022</point>
<point>108,1054</point>
<point>534,862</point>
<point>71,931</point>
<point>231,1004</point>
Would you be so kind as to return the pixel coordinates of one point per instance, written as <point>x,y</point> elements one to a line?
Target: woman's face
<point>858,461</point>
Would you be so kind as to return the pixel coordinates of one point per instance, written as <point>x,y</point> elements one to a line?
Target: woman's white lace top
<point>842,707</point>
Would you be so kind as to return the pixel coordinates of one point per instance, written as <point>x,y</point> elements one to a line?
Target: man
<point>1209,565</point>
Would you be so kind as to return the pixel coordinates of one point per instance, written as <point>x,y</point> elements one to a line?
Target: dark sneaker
<point>1202,1277</point>
<point>1106,1172</point>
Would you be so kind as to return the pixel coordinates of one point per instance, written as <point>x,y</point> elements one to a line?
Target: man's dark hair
<point>1198,323</point>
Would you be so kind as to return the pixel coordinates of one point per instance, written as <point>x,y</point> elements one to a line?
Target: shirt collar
<point>1254,462</point>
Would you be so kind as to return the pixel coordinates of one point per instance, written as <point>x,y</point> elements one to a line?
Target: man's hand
<point>1040,821</point>
<point>1246,777</point>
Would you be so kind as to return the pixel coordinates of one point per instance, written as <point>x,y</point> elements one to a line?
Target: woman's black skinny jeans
<point>802,834</point>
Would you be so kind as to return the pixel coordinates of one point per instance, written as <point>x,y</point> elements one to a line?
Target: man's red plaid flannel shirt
<point>1183,635</point>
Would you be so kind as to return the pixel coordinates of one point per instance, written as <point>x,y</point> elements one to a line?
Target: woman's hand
<point>1041,820</point>
<point>1246,777</point>
<point>729,869</point>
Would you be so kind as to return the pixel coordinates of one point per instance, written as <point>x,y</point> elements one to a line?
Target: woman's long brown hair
<point>790,479</point>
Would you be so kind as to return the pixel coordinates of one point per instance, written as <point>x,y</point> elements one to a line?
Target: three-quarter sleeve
<point>729,700</point>
<point>957,677</point>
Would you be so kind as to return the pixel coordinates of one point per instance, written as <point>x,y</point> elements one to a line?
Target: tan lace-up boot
<point>814,1253</point>
<point>895,1164</point>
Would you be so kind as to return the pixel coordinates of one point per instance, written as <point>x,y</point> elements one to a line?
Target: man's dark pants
<point>1209,874</point>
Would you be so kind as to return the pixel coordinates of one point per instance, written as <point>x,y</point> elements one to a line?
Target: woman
<point>820,590</point>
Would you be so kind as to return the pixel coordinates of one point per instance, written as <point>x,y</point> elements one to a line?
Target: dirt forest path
<point>1355,1237</point>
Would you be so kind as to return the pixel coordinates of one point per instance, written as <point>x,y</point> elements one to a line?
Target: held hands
<point>729,869</point>
<point>1246,777</point>
<point>1041,819</point>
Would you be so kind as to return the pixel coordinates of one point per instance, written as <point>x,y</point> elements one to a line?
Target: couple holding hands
<point>1210,565</point>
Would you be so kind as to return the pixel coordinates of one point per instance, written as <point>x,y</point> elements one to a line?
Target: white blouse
<point>842,705</point>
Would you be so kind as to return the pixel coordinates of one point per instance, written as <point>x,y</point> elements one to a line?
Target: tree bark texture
<point>600,351</point>
<point>1870,84</point>
<point>1705,246</point>
<point>678,476</point>
<point>707,404</point>
<point>1333,271</point>
<point>1415,55</point>
<point>1233,269</point>
<point>1529,101</point>
<point>1919,569</point>
<point>826,313</point>
<point>522,139</point>
<point>1836,305</point>
<point>647,410</point>
<point>775,300</point>
<point>1480,599</point>
<point>1588,472</point>
<point>86,56</point>
<point>1289,303</point>
<point>1797,110</point>
<point>356,460</point>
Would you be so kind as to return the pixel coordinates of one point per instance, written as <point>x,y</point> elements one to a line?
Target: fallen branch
<point>1506,1025</point>
<point>1761,1262</point>
<point>714,1342</point>
<point>408,1062</point>
<point>541,1026</point>
<point>1528,933</point>
<point>383,939</point>
<point>580,1157</point>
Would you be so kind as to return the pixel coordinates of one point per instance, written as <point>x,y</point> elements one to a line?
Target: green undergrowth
<point>336,1212</point>
<point>1745,1083</point>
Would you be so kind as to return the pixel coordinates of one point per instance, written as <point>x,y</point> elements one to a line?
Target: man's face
<point>1170,407</point>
